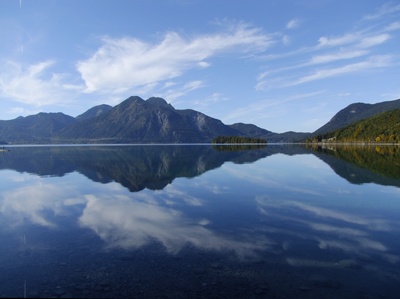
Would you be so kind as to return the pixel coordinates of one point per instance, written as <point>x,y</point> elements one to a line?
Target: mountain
<point>94,112</point>
<point>356,112</point>
<point>38,128</point>
<point>153,121</point>
<point>384,127</point>
<point>251,130</point>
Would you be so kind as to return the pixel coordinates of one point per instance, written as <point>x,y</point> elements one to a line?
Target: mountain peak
<point>94,112</point>
<point>133,99</point>
<point>157,101</point>
<point>130,102</point>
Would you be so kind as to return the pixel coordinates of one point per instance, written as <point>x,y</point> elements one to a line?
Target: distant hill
<point>356,112</point>
<point>384,127</point>
<point>39,128</point>
<point>256,132</point>
<point>94,112</point>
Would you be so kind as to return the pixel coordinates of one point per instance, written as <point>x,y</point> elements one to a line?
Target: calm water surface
<point>200,222</point>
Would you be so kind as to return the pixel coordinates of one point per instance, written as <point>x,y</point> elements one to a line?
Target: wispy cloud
<point>341,55</point>
<point>393,26</point>
<point>374,40</point>
<point>385,9</point>
<point>128,62</point>
<point>357,39</point>
<point>34,84</point>
<point>372,62</point>
<point>210,101</point>
<point>294,23</point>
<point>337,41</point>
<point>179,91</point>
<point>332,51</point>
<point>257,111</point>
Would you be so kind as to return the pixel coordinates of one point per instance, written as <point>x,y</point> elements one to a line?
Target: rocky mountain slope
<point>153,121</point>
<point>94,112</point>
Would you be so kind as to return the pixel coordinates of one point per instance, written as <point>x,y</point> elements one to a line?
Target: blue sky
<point>281,65</point>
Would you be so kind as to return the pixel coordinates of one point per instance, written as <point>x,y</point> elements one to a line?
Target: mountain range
<point>155,121</point>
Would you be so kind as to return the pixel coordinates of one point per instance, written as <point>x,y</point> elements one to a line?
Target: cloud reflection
<point>35,203</point>
<point>129,223</point>
<point>122,219</point>
<point>330,228</point>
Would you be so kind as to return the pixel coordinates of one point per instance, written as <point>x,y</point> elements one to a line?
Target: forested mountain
<point>384,127</point>
<point>356,112</point>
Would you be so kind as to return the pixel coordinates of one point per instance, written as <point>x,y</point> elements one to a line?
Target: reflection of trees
<point>363,164</point>
<point>238,147</point>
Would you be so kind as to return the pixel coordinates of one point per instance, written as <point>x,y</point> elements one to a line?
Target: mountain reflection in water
<point>156,166</point>
<point>197,221</point>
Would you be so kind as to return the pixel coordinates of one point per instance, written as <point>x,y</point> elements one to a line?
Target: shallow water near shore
<point>197,221</point>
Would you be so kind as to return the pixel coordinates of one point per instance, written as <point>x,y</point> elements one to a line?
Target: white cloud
<point>129,62</point>
<point>371,41</point>
<point>286,40</point>
<point>371,62</point>
<point>258,110</point>
<point>387,8</point>
<point>337,56</point>
<point>169,84</point>
<point>294,23</point>
<point>337,41</point>
<point>357,38</point>
<point>393,26</point>
<point>35,84</point>
<point>346,46</point>
<point>179,91</point>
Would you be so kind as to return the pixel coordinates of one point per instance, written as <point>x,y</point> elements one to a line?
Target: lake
<point>197,221</point>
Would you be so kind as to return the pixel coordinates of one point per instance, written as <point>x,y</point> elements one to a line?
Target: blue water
<point>196,222</point>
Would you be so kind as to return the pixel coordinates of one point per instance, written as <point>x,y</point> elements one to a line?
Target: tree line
<point>237,139</point>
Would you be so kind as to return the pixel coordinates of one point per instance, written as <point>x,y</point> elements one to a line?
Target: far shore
<point>353,143</point>
<point>8,146</point>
